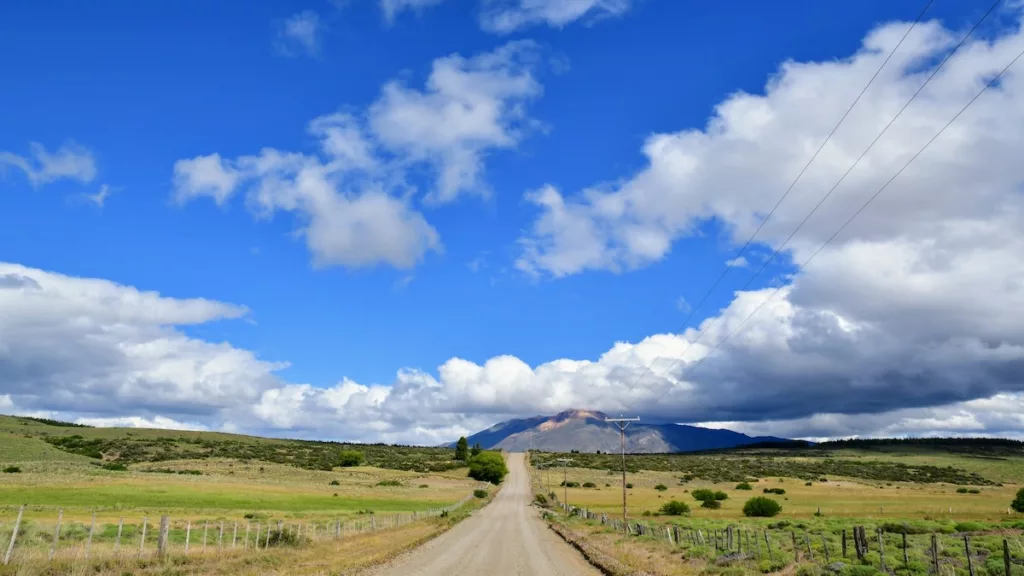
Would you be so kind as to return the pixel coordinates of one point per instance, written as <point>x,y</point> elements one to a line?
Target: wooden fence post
<point>1006,557</point>
<point>188,534</point>
<point>220,536</point>
<point>796,548</point>
<point>824,547</point>
<point>234,535</point>
<point>142,539</point>
<point>935,553</point>
<point>810,553</point>
<point>56,536</point>
<point>267,543</point>
<point>844,542</point>
<point>906,559</point>
<point>161,541</point>
<point>14,536</point>
<point>768,545</point>
<point>117,541</point>
<point>881,549</point>
<point>967,548</point>
<point>206,528</point>
<point>92,528</point>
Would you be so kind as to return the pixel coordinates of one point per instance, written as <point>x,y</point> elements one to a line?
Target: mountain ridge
<point>587,431</point>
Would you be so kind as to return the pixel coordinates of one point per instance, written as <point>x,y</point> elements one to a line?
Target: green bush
<point>488,467</point>
<point>970,527</point>
<point>629,485</point>
<point>675,508</point>
<point>479,493</point>
<point>859,570</point>
<point>569,484</point>
<point>703,494</point>
<point>335,483</point>
<point>733,571</point>
<point>744,486</point>
<point>779,491</point>
<point>389,483</point>
<point>761,507</point>
<point>424,485</point>
<point>589,485</point>
<point>961,490</point>
<point>808,570</point>
<point>540,499</point>
<point>349,458</point>
<point>719,495</point>
<point>661,487</point>
<point>114,466</point>
<point>12,470</point>
<point>1018,502</point>
<point>710,504</point>
<point>768,566</point>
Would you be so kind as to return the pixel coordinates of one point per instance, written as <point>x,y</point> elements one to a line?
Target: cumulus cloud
<point>70,161</point>
<point>353,199</point>
<point>504,16</point>
<point>299,34</point>
<point>391,8</point>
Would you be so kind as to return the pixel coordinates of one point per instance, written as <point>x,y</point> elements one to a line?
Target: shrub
<point>1018,502</point>
<point>859,570</point>
<point>711,504</point>
<point>719,495</point>
<point>589,485</point>
<point>779,491</point>
<point>703,494</point>
<point>629,485</point>
<point>970,527</point>
<point>768,566</point>
<point>570,484</point>
<point>661,487</point>
<point>349,458</point>
<point>733,571</point>
<point>808,570</point>
<point>115,466</point>
<point>249,515</point>
<point>540,499</point>
<point>12,470</point>
<point>335,483</point>
<point>961,490</point>
<point>424,485</point>
<point>808,483</point>
<point>675,508</point>
<point>761,507</point>
<point>744,486</point>
<point>391,483</point>
<point>479,493</point>
<point>488,467</point>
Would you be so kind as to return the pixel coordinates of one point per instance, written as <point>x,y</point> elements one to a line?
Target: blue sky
<point>142,86</point>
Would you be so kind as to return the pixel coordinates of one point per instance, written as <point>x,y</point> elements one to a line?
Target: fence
<point>934,553</point>
<point>25,540</point>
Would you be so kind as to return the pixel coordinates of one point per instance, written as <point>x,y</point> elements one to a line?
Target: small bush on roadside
<point>12,470</point>
<point>540,499</point>
<point>1018,502</point>
<point>675,508</point>
<point>744,486</point>
<point>488,467</point>
<point>761,507</point>
<point>661,487</point>
<point>479,493</point>
<point>711,504</point>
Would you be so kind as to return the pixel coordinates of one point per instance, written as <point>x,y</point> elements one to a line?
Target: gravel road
<point>505,537</point>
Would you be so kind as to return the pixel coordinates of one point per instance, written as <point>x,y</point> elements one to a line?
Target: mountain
<point>586,431</point>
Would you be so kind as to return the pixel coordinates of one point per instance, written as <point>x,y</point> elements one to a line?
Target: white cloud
<point>504,16</point>
<point>392,8</point>
<point>158,422</point>
<point>738,262</point>
<point>100,197</point>
<point>299,34</point>
<point>71,161</point>
<point>353,199</point>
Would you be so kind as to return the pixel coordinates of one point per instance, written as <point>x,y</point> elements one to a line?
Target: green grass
<point>19,449</point>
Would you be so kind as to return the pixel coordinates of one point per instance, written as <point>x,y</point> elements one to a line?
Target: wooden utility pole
<point>622,423</point>
<point>565,482</point>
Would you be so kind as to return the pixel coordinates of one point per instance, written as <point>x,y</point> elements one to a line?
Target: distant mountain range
<point>586,431</point>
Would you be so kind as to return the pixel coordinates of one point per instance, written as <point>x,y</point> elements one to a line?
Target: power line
<point>988,85</point>
<point>732,262</point>
<point>842,178</point>
<point>621,423</point>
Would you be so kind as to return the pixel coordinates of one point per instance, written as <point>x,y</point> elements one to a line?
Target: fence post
<point>881,549</point>
<point>824,547</point>
<point>906,559</point>
<point>117,541</point>
<point>267,543</point>
<point>56,536</point>
<point>935,553</point>
<point>844,542</point>
<point>142,538</point>
<point>256,544</point>
<point>220,536</point>
<point>234,535</point>
<point>188,534</point>
<point>807,540</point>
<point>161,542</point>
<point>757,546</point>
<point>796,548</point>
<point>1006,557</point>
<point>967,548</point>
<point>14,535</point>
<point>206,528</point>
<point>92,528</point>
<point>768,545</point>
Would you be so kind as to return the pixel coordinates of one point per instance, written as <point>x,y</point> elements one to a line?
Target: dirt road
<point>506,537</point>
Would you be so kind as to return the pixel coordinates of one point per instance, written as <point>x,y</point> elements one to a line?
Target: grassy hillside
<point>32,439</point>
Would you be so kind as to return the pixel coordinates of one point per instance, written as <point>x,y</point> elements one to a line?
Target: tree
<point>762,507</point>
<point>1018,502</point>
<point>462,449</point>
<point>488,467</point>
<point>350,458</point>
<point>475,450</point>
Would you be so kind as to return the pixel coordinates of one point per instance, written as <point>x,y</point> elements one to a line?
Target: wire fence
<point>34,541</point>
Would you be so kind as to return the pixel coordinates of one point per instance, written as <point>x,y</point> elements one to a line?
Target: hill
<point>587,431</point>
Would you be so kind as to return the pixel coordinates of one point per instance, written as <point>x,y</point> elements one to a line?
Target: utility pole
<point>565,482</point>
<point>622,423</point>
